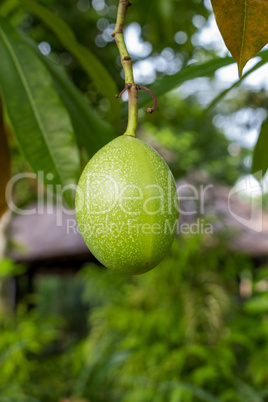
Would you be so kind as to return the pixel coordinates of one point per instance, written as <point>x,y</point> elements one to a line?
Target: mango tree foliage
<point>87,59</point>
<point>260,160</point>
<point>91,130</point>
<point>39,120</point>
<point>96,70</point>
<point>5,170</point>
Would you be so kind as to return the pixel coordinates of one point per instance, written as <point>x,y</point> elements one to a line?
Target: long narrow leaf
<point>260,160</point>
<point>191,72</point>
<point>91,130</point>
<point>218,98</point>
<point>39,119</point>
<point>87,59</point>
<point>8,6</point>
<point>246,393</point>
<point>199,393</point>
<point>5,168</point>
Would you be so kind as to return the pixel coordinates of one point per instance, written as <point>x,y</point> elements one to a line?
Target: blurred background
<point>196,327</point>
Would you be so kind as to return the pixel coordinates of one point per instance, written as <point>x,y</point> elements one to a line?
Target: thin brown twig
<point>140,87</point>
<point>150,109</point>
<point>121,93</point>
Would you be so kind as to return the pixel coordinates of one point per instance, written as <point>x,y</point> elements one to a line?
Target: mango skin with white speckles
<point>127,207</point>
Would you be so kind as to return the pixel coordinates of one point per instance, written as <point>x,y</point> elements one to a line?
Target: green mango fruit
<point>127,207</point>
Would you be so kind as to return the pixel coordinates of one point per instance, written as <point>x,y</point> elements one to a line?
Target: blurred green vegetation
<point>193,329</point>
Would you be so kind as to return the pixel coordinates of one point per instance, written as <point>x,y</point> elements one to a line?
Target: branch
<point>127,67</point>
<point>150,109</point>
<point>126,61</point>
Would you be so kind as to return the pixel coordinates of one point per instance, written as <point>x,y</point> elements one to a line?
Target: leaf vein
<point>243,36</point>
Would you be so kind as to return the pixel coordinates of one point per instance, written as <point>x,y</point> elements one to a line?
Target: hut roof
<point>52,234</point>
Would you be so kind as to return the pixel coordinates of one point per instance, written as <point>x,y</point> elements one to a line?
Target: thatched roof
<point>53,235</point>
<point>242,221</point>
<point>50,235</point>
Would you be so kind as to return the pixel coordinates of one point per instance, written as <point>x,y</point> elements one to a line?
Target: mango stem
<point>126,62</point>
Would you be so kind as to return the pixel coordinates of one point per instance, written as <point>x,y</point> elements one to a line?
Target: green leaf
<point>258,304</point>
<point>5,168</point>
<point>39,119</point>
<point>91,130</point>
<point>198,392</point>
<point>93,67</point>
<point>9,268</point>
<point>263,55</point>
<point>166,10</point>
<point>264,392</point>
<point>260,160</point>
<point>246,393</point>
<point>166,84</point>
<point>8,6</point>
<point>243,26</point>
